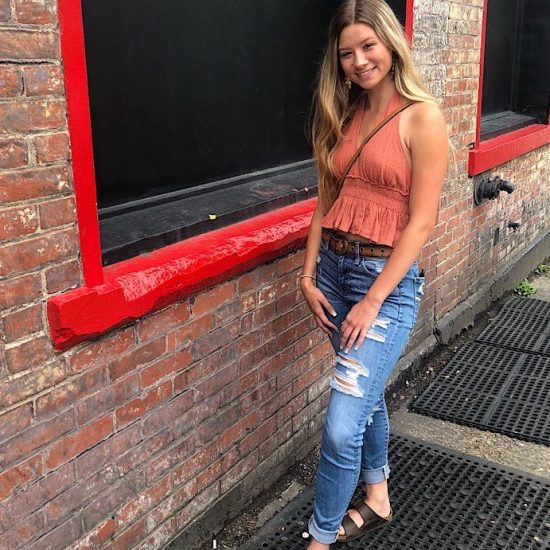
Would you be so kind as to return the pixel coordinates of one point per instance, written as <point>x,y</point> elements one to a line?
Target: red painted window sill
<point>501,149</point>
<point>141,285</point>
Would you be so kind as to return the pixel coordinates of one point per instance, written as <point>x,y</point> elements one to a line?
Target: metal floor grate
<point>529,305</point>
<point>442,500</point>
<point>494,389</point>
<point>522,324</point>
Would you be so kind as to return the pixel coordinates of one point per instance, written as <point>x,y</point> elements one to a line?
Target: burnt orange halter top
<point>374,199</point>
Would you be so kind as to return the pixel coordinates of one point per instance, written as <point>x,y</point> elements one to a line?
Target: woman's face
<point>365,60</point>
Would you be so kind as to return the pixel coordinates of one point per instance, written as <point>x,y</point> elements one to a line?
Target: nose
<point>361,59</point>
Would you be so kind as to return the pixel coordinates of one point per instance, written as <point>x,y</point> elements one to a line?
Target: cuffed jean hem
<point>320,535</point>
<point>376,476</point>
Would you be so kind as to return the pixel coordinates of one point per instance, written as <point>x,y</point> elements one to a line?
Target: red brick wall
<point>463,253</point>
<point>131,437</point>
<point>137,424</point>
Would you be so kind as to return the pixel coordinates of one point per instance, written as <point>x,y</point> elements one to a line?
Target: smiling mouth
<point>366,73</point>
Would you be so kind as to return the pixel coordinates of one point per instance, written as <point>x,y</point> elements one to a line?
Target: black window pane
<point>516,79</point>
<point>199,112</point>
<point>186,92</point>
<point>534,74</point>
<point>501,55</point>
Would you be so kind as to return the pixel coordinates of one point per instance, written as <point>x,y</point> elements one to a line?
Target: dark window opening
<point>516,80</point>
<point>199,113</point>
<point>136,229</point>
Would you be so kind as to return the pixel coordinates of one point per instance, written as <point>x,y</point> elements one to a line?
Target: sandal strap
<point>366,512</point>
<point>350,528</point>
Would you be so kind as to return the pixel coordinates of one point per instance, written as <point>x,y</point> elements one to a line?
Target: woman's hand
<point>318,304</point>
<point>358,322</point>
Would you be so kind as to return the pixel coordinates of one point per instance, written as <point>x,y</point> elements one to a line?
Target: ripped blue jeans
<point>356,430</point>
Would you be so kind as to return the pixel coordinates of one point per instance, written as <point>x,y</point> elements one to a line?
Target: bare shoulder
<point>425,120</point>
<point>423,114</point>
<point>419,119</point>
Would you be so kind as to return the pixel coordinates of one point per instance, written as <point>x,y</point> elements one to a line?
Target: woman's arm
<point>429,152</point>
<point>315,298</point>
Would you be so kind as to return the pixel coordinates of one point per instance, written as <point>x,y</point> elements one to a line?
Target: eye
<point>368,46</point>
<point>344,55</point>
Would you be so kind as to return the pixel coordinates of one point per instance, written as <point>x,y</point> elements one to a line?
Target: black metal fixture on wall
<point>487,188</point>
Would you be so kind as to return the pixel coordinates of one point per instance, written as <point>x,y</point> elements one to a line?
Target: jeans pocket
<point>373,266</point>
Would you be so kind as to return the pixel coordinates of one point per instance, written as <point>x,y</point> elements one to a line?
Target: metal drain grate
<point>529,305</point>
<point>494,389</point>
<point>523,324</point>
<point>442,500</point>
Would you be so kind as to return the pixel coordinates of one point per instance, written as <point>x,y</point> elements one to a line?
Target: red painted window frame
<point>126,291</point>
<point>496,151</point>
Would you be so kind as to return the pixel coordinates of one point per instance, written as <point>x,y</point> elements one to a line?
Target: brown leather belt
<point>341,245</point>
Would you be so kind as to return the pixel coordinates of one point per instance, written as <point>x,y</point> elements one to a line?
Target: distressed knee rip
<point>346,379</point>
<point>376,335</point>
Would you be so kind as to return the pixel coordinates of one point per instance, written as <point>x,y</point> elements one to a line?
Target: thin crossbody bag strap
<point>371,134</point>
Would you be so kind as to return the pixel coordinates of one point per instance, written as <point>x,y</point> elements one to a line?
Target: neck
<point>379,97</point>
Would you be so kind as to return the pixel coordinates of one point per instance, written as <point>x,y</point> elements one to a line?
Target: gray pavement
<point>542,284</point>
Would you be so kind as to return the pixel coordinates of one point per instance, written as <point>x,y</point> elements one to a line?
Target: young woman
<point>360,277</point>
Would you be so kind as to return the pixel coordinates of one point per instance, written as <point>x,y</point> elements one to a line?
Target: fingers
<point>361,339</point>
<point>352,336</point>
<point>327,307</point>
<point>326,304</point>
<point>319,305</point>
<point>326,321</point>
<point>323,321</point>
<point>349,336</point>
<point>322,326</point>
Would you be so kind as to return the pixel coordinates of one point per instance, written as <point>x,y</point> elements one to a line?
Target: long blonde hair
<point>333,102</point>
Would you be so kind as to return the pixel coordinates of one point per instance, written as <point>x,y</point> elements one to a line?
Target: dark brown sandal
<point>371,521</point>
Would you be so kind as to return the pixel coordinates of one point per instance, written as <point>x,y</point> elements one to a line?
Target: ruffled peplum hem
<point>381,223</point>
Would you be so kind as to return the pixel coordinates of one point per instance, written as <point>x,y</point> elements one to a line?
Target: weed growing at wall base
<point>525,288</point>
